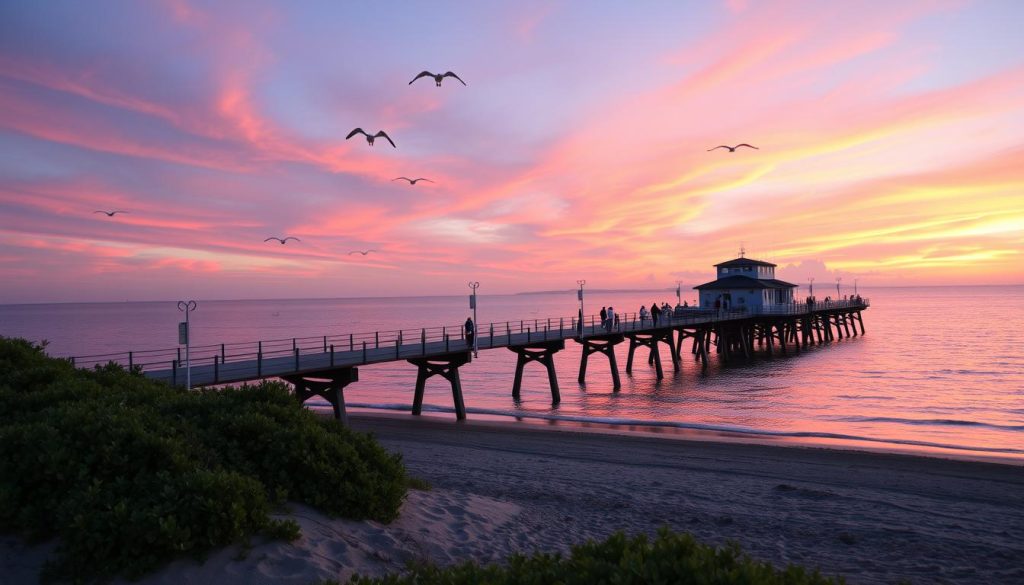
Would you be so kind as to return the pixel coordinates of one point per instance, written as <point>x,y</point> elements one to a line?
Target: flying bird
<point>284,240</point>
<point>110,213</point>
<point>733,148</point>
<point>370,138</point>
<point>411,181</point>
<point>363,252</point>
<point>437,77</point>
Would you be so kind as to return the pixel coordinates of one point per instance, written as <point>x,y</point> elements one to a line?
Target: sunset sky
<point>891,140</point>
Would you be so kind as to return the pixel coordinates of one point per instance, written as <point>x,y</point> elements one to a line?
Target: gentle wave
<point>682,425</point>
<point>928,422</point>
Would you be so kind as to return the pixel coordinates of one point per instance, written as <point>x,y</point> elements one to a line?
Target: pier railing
<point>390,345</point>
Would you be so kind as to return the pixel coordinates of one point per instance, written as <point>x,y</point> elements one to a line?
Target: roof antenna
<point>743,251</point>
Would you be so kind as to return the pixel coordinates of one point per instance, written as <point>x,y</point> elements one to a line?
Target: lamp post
<point>579,295</point>
<point>472,305</point>
<point>810,286</point>
<point>838,280</point>
<point>679,296</point>
<point>185,337</point>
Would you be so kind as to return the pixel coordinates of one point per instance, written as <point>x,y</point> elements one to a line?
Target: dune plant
<point>670,558</point>
<point>128,473</point>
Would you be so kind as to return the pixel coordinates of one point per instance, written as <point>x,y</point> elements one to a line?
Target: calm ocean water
<point>940,371</point>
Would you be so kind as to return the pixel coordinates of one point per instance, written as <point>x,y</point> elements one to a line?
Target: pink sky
<point>891,141</point>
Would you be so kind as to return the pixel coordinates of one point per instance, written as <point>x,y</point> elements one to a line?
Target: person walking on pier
<point>612,318</point>
<point>604,317</point>
<point>470,332</point>
<point>655,314</point>
<point>643,315</point>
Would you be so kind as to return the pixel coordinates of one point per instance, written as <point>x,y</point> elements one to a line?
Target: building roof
<point>744,262</point>
<point>739,281</point>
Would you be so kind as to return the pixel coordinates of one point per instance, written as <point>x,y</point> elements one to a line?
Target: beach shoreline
<point>668,431</point>
<point>499,488</point>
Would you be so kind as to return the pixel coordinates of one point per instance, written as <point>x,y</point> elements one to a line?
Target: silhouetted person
<point>655,314</point>
<point>604,317</point>
<point>470,332</point>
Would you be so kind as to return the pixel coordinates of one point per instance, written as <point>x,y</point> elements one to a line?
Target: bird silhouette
<point>733,148</point>
<point>110,213</point>
<point>363,252</point>
<point>284,240</point>
<point>437,77</point>
<point>411,181</point>
<point>370,138</point>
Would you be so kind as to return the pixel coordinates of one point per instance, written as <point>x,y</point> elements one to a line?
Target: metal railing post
<point>446,342</point>
<point>216,368</point>
<point>325,344</point>
<point>364,352</point>
<point>222,353</point>
<point>259,362</point>
<point>174,372</point>
<point>332,354</point>
<point>131,362</point>
<point>351,345</point>
<point>293,344</point>
<point>423,340</point>
<point>376,339</point>
<point>296,358</point>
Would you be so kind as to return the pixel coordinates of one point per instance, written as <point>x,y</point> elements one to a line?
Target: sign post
<point>183,338</point>
<point>472,305</point>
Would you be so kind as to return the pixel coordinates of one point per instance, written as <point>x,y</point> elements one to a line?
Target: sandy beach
<point>499,488</point>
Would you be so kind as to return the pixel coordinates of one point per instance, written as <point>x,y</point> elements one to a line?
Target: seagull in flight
<point>370,137</point>
<point>284,240</point>
<point>363,252</point>
<point>110,213</point>
<point>437,77</point>
<point>733,148</point>
<point>411,181</point>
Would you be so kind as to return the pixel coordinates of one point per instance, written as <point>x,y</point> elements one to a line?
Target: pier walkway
<point>323,366</point>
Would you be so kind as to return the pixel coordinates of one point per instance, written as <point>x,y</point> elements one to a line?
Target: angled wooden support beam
<point>605,345</point>
<point>447,366</point>
<point>328,384</point>
<point>651,340</point>
<point>541,352</point>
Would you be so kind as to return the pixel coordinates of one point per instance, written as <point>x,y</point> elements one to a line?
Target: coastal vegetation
<point>669,557</point>
<point>127,473</point>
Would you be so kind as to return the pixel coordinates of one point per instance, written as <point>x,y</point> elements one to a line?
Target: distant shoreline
<point>568,291</point>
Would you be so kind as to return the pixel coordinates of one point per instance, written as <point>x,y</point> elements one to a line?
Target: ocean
<point>940,370</point>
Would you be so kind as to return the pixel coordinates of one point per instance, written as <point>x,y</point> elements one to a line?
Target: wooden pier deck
<point>323,366</point>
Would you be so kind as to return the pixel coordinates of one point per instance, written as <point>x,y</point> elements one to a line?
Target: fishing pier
<point>323,366</point>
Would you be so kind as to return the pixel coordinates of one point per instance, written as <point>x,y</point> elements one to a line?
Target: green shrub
<point>129,473</point>
<point>670,559</point>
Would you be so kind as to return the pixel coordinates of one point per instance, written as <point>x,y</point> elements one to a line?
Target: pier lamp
<point>838,280</point>
<point>472,305</point>
<point>184,338</point>
<point>580,296</point>
<point>679,296</point>
<point>854,287</point>
<point>810,287</point>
